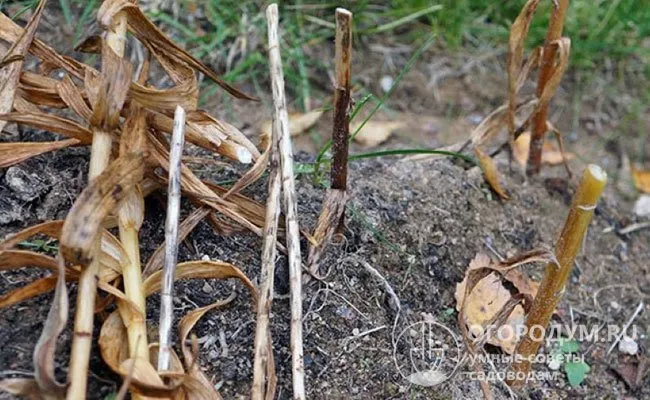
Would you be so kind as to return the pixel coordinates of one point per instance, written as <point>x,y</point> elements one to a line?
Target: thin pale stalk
<point>171,239</point>
<point>281,119</point>
<point>84,314</point>
<point>554,33</point>
<point>556,275</point>
<point>267,273</point>
<point>132,275</point>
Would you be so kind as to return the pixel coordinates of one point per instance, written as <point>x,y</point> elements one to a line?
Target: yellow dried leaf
<point>551,155</point>
<point>200,270</point>
<point>490,172</point>
<point>52,123</point>
<point>10,72</point>
<point>15,153</point>
<point>375,133</point>
<point>641,179</point>
<point>298,122</point>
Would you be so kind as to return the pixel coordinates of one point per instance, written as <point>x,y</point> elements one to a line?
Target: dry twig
<point>289,196</point>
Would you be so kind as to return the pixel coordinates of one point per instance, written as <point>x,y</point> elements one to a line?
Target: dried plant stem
<point>262,333</point>
<point>84,314</point>
<point>132,275</point>
<point>332,216</point>
<point>171,239</point>
<point>556,276</point>
<point>341,128</point>
<point>281,120</point>
<point>539,127</point>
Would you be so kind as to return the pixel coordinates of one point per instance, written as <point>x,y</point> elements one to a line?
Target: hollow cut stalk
<point>556,276</point>
<point>84,315</point>
<point>539,128</point>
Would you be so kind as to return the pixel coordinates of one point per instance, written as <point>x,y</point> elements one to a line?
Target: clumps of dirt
<point>417,224</point>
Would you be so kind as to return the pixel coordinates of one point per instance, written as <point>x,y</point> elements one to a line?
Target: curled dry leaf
<point>374,133</point>
<point>100,197</point>
<point>490,172</point>
<point>155,262</point>
<point>51,123</point>
<point>551,155</point>
<point>482,299</point>
<point>10,72</point>
<point>200,270</point>
<point>46,345</point>
<point>298,123</point>
<point>15,153</point>
<point>149,34</point>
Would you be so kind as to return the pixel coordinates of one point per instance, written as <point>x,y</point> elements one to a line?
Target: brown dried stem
<point>332,216</point>
<point>539,127</point>
<point>289,191</point>
<point>83,324</point>
<point>171,239</point>
<point>341,127</point>
<point>556,275</point>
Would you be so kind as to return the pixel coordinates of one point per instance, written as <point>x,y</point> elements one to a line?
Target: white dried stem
<point>171,238</point>
<point>262,334</point>
<point>281,119</point>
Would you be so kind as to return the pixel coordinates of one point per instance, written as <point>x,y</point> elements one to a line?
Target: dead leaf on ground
<point>481,303</point>
<point>551,155</point>
<point>298,123</point>
<point>374,133</point>
<point>641,179</point>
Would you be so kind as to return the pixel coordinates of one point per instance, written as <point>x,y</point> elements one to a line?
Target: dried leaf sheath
<point>130,218</point>
<point>171,239</point>
<point>289,195</point>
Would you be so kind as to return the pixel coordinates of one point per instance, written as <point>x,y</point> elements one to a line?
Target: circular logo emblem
<point>426,353</point>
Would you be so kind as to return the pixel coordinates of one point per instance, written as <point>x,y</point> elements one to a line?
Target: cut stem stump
<point>281,120</point>
<point>556,276</point>
<point>539,127</point>
<point>171,239</point>
<point>332,217</point>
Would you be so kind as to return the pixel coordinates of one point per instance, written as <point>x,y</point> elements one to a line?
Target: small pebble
<point>355,331</point>
<point>554,364</point>
<point>627,345</point>
<point>642,206</point>
<point>386,83</point>
<point>205,257</point>
<point>615,305</point>
<point>207,288</point>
